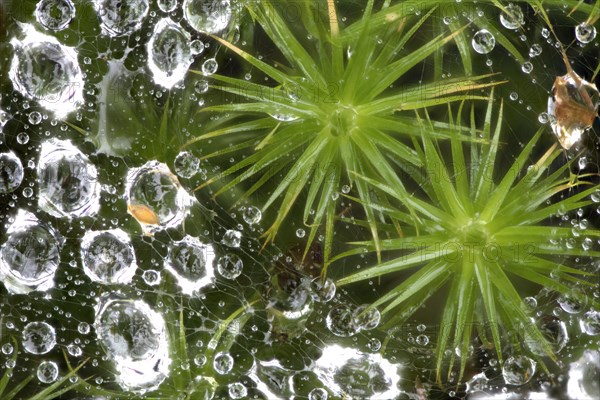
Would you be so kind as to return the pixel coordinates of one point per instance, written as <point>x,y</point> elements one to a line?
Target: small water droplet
<point>55,15</point>
<point>527,67</point>
<point>585,32</point>
<point>11,172</point>
<point>300,233</point>
<point>209,66</point>
<point>47,372</point>
<point>119,17</point>
<point>223,363</point>
<point>186,164</point>
<point>230,266</point>
<point>207,16</point>
<point>513,17</point>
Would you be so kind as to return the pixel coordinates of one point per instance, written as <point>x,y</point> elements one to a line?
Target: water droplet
<point>535,50</point>
<point>346,189</point>
<point>477,383</point>
<point>237,390</point>
<point>199,360</point>
<point>366,317</point>
<point>38,337</point>
<point>151,277</point>
<point>42,69</point>
<point>68,181</point>
<point>155,197</point>
<point>55,15</point>
<point>201,86</point>
<point>230,266</point>
<point>340,321</point>
<point>422,340</point>
<point>7,348</point>
<point>197,47</point>
<point>223,363</point>
<point>191,263</point>
<point>513,17</point>
<point>251,215</point>
<point>300,233</point>
<point>108,256</point>
<point>83,328</point>
<point>74,350</point>
<point>530,302</point>
<point>590,323</point>
<point>513,96</point>
<point>31,255</point>
<point>167,5</point>
<point>119,17</point>
<point>323,291</point>
<point>545,33</point>
<point>186,164</point>
<point>284,117</point>
<point>518,370</point>
<point>207,16</point>
<point>169,53</point>
<point>232,238</point>
<point>483,41</point>
<point>47,371</point>
<point>318,394</point>
<point>209,66</point>
<point>570,304</point>
<point>35,118</point>
<point>22,138</point>
<point>11,172</point>
<point>553,330</point>
<point>527,67</point>
<point>134,337</point>
<point>585,32</point>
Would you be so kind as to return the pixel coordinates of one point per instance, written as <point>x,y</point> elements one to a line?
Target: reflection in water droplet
<point>207,16</point>
<point>585,32</point>
<point>209,66</point>
<point>252,215</point>
<point>68,181</point>
<point>518,370</point>
<point>169,53</point>
<point>590,323</point>
<point>350,374</point>
<point>513,17</point>
<point>584,377</point>
<point>366,318</point>
<point>134,337</point>
<point>223,363</point>
<point>31,255</point>
<point>42,69</point>
<point>230,266</point>
<point>232,238</point>
<point>108,256</point>
<point>55,15</point>
<point>155,197</point>
<point>47,372</point>
<point>483,41</point>
<point>167,5</point>
<point>340,321</point>
<point>38,337</point>
<point>554,331</point>
<point>119,17</point>
<point>11,172</point>
<point>186,164</point>
<point>191,263</point>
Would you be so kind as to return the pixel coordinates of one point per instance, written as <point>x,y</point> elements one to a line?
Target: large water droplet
<point>119,17</point>
<point>590,323</point>
<point>68,181</point>
<point>55,15</point>
<point>232,238</point>
<point>340,321</point>
<point>323,291</point>
<point>584,377</point>
<point>513,18</point>
<point>47,371</point>
<point>169,53</point>
<point>366,318</point>
<point>554,331</point>
<point>191,262</point>
<point>134,337</point>
<point>207,16</point>
<point>11,172</point>
<point>585,32</point>
<point>230,266</point>
<point>31,255</point>
<point>42,69</point>
<point>483,41</point>
<point>167,5</point>
<point>108,256</point>
<point>186,164</point>
<point>350,374</point>
<point>155,197</point>
<point>518,370</point>
<point>252,215</point>
<point>223,363</point>
<point>38,337</point>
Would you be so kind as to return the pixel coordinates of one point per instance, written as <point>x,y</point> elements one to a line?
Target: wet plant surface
<point>299,199</point>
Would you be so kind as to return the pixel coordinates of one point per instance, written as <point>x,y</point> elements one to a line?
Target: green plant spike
<point>352,124</point>
<point>463,217</point>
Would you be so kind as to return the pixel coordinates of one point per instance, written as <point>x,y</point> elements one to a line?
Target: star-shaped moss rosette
<point>332,108</point>
<point>474,234</point>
